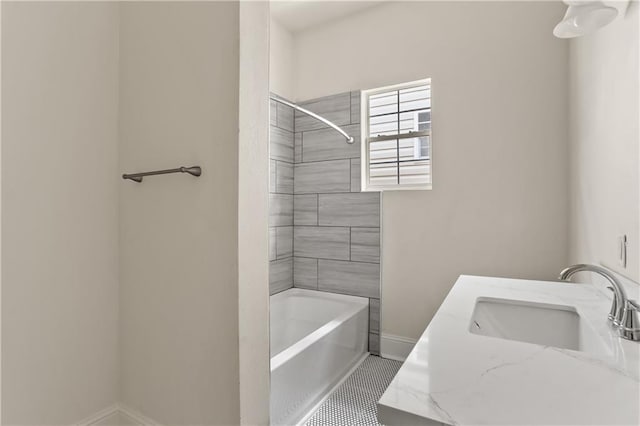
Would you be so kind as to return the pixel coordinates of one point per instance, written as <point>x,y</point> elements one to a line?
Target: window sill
<point>398,188</point>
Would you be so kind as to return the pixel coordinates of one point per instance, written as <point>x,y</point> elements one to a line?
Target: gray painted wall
<point>500,83</point>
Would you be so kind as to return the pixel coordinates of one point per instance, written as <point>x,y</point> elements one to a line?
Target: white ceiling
<point>299,15</point>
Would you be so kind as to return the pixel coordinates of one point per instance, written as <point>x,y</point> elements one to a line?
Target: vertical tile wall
<point>336,232</point>
<point>280,198</point>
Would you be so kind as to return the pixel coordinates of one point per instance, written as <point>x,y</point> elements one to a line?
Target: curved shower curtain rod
<point>349,139</point>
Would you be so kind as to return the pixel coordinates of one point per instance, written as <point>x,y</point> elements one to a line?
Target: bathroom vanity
<point>506,351</point>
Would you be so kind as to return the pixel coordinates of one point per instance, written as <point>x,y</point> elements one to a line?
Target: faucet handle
<point>613,313</point>
<point>630,326</point>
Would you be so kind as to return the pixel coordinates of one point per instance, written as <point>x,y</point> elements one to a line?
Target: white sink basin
<point>539,323</point>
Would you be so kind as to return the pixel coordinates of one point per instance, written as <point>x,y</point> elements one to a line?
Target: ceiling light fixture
<point>587,16</point>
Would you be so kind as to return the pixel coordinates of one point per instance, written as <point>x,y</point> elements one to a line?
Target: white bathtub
<point>316,338</point>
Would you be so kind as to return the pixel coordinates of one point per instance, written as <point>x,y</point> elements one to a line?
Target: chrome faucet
<point>624,312</point>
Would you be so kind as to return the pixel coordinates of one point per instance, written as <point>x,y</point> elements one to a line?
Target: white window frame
<point>417,147</point>
<point>364,154</point>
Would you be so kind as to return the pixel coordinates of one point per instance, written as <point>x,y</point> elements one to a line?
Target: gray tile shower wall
<point>281,150</point>
<point>280,275</point>
<point>322,176</point>
<point>326,144</point>
<point>365,244</point>
<point>351,209</point>
<point>336,228</point>
<point>335,108</point>
<point>355,278</point>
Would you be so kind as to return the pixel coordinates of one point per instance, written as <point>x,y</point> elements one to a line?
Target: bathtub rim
<point>357,303</point>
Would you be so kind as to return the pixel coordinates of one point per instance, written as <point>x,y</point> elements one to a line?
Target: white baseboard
<point>100,417</point>
<point>135,417</point>
<point>117,415</point>
<point>395,347</point>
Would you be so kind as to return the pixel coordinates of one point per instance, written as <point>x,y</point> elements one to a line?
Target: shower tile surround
<point>325,233</point>
<point>280,197</point>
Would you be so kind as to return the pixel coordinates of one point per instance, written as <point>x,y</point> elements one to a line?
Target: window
<point>396,129</point>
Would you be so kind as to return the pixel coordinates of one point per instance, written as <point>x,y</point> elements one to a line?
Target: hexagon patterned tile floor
<point>354,402</point>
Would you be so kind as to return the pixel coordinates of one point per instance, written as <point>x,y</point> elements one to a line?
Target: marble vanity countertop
<point>455,377</point>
